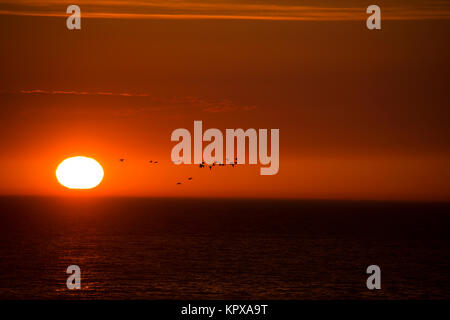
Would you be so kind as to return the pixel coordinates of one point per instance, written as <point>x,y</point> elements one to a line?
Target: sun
<point>79,173</point>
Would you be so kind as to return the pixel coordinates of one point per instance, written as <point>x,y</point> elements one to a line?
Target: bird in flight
<point>121,160</point>
<point>190,178</point>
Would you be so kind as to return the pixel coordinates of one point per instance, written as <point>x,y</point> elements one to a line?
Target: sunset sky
<point>363,114</point>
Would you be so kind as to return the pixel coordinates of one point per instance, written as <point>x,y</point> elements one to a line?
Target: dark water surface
<point>219,249</point>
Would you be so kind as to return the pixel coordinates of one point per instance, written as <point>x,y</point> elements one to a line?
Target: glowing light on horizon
<point>79,173</point>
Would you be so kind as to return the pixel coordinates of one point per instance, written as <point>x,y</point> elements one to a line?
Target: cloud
<point>80,93</point>
<point>206,105</point>
<point>279,10</point>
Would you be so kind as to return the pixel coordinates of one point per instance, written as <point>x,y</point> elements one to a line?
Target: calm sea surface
<point>220,249</point>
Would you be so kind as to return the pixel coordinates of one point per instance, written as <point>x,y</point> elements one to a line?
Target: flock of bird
<point>220,164</point>
<point>150,161</point>
<point>201,165</point>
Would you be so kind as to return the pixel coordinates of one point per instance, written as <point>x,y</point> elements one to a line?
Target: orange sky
<point>362,114</point>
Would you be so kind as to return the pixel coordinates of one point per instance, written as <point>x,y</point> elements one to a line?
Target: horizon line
<point>105,196</point>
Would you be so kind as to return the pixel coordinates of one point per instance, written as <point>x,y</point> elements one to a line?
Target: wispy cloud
<point>206,105</point>
<point>82,93</point>
<point>280,10</point>
<point>211,105</point>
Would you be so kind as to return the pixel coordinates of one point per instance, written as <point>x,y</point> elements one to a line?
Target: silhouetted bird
<point>156,162</point>
<point>178,183</point>
<point>121,160</point>
<point>190,178</point>
<point>151,161</point>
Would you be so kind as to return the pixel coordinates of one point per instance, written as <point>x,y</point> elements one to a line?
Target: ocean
<point>144,248</point>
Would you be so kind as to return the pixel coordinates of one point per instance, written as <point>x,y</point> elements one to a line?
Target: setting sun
<point>79,173</point>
